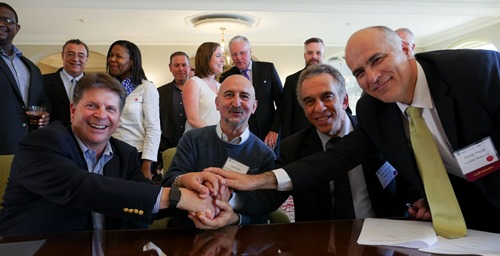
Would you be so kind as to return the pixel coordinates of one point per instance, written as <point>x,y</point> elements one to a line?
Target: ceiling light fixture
<point>233,23</point>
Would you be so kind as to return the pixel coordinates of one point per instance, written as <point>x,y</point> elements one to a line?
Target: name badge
<point>386,174</point>
<point>478,160</point>
<point>235,166</point>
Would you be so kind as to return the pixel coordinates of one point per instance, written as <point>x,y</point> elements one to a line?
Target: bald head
<point>382,65</point>
<point>236,81</point>
<point>236,103</point>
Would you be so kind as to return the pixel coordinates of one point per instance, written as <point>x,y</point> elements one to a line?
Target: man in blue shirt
<point>77,177</point>
<point>21,85</point>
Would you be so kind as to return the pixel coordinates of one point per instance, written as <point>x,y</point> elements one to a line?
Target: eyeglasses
<point>407,43</point>
<point>8,21</point>
<point>71,55</point>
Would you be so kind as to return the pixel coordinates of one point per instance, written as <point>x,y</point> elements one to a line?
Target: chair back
<point>168,156</point>
<point>5,163</point>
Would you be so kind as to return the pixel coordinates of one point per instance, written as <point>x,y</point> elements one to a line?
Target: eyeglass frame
<point>8,21</point>
<point>72,55</point>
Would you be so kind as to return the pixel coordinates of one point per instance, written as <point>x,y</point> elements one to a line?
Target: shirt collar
<point>249,66</point>
<point>108,151</point>
<point>346,129</point>
<point>421,95</point>
<point>66,74</point>
<point>15,50</point>
<point>236,141</point>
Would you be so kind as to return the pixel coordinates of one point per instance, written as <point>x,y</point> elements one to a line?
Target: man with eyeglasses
<point>21,85</point>
<point>59,85</point>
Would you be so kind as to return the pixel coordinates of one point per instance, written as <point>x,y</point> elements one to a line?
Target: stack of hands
<point>209,192</point>
<point>206,195</point>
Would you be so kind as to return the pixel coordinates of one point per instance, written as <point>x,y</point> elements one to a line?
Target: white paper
<point>21,248</point>
<point>476,242</point>
<point>404,233</point>
<point>153,247</point>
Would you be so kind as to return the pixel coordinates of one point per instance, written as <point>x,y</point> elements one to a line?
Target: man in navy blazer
<point>266,121</point>
<point>58,85</point>
<point>20,90</point>
<point>324,101</point>
<point>77,177</point>
<point>458,90</point>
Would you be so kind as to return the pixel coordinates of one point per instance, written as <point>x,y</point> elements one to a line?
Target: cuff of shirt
<point>284,181</point>
<point>156,207</point>
<point>235,202</point>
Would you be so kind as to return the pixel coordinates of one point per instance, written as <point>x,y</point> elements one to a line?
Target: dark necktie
<point>342,203</point>
<point>245,73</point>
<point>71,89</point>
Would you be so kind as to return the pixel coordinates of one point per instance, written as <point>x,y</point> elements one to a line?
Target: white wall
<point>287,59</point>
<point>491,33</point>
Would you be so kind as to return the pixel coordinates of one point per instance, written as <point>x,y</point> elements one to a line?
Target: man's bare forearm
<point>265,180</point>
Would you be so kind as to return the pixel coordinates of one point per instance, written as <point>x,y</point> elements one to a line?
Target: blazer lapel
<point>170,100</point>
<point>112,168</point>
<point>443,103</point>
<point>257,76</point>
<point>398,151</point>
<point>59,89</point>
<point>5,69</point>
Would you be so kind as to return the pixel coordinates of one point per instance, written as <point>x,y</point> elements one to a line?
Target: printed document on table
<point>404,233</point>
<point>476,243</point>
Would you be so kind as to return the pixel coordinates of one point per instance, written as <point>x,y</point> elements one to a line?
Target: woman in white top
<point>140,119</point>
<point>199,92</point>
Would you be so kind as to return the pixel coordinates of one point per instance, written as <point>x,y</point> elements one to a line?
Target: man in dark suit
<point>59,85</point>
<point>458,91</point>
<point>266,121</point>
<point>76,177</point>
<point>21,85</point>
<point>293,118</point>
<point>324,99</point>
<point>172,115</point>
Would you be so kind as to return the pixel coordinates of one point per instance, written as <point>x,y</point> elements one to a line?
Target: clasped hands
<point>210,210</point>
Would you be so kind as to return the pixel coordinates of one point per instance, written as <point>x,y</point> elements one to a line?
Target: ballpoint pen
<point>410,206</point>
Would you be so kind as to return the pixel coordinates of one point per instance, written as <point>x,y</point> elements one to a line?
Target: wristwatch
<point>174,197</point>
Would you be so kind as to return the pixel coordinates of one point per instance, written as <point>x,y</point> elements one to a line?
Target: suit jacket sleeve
<point>277,88</point>
<point>319,167</point>
<point>264,201</point>
<point>287,112</point>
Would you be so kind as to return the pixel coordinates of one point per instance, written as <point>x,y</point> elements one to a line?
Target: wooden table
<point>312,238</point>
